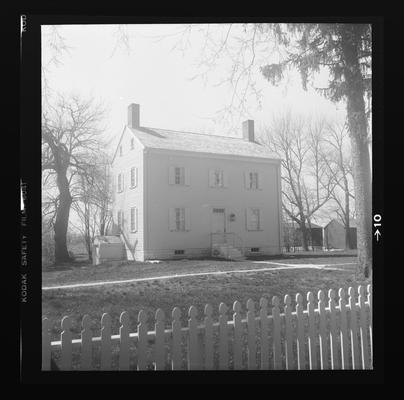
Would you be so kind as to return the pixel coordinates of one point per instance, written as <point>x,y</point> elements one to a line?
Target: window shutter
<point>171,175</point>
<point>247,219</point>
<point>225,179</point>
<point>247,180</point>
<point>123,181</point>
<point>171,219</point>
<point>211,178</point>
<point>187,176</point>
<point>187,219</point>
<point>259,180</point>
<point>260,226</point>
<point>136,176</point>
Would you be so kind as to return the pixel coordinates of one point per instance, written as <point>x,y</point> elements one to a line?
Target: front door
<point>218,220</point>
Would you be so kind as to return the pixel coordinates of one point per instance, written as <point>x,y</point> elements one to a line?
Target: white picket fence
<point>333,335</point>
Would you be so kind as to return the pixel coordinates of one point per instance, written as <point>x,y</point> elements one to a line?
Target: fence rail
<point>326,335</point>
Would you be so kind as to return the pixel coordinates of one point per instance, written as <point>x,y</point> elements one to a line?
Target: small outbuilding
<point>107,248</point>
<point>334,235</point>
<point>293,235</point>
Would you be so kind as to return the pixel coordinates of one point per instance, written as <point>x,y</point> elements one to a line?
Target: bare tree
<point>337,157</point>
<point>71,137</point>
<point>305,188</point>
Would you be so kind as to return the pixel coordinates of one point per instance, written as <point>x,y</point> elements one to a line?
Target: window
<point>255,249</point>
<point>179,219</point>
<point>133,177</point>
<point>133,219</point>
<point>120,182</point>
<point>253,180</point>
<point>179,251</point>
<point>253,219</point>
<point>217,178</point>
<point>132,144</point>
<point>178,176</point>
<point>120,150</point>
<point>120,218</point>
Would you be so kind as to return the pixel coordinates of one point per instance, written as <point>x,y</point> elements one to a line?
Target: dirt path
<point>280,266</point>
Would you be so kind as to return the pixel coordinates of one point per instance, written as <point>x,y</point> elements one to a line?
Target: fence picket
<point>223,339</point>
<point>66,339</point>
<point>363,328</point>
<point>335,364</point>
<point>369,288</point>
<point>251,336</point>
<point>354,328</point>
<point>106,342</point>
<point>238,331</point>
<point>124,341</point>
<point>208,337</point>
<point>46,344</point>
<point>323,330</point>
<point>288,332</point>
<point>176,359</point>
<point>264,333</point>
<point>301,353</point>
<point>142,341</point>
<point>86,343</point>
<point>276,333</point>
<point>312,335</point>
<point>159,349</point>
<point>193,339</point>
<point>344,330</point>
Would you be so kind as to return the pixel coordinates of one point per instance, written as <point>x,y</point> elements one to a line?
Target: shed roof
<point>165,139</point>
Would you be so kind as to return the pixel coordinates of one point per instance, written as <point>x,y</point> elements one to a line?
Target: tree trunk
<point>304,235</point>
<point>360,151</point>
<point>62,219</point>
<point>347,213</point>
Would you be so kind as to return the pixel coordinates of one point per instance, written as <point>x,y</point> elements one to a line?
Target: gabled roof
<point>295,225</point>
<point>165,139</point>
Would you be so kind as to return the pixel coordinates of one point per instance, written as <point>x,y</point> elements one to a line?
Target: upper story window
<point>178,176</point>
<point>132,144</point>
<point>252,180</point>
<point>120,182</point>
<point>133,177</point>
<point>133,219</point>
<point>218,178</point>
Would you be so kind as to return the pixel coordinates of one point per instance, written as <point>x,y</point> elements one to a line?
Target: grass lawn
<point>180,292</point>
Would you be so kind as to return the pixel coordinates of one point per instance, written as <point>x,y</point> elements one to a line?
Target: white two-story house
<point>181,194</point>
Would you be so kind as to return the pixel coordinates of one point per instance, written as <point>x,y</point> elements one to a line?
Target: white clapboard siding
<point>238,336</point>
<point>354,328</point>
<point>288,333</point>
<point>223,339</point>
<point>168,345</point>
<point>335,360</point>
<point>124,341</point>
<point>323,330</point>
<point>176,352</point>
<point>106,342</point>
<point>86,347</point>
<point>193,356</point>
<point>276,333</point>
<point>301,348</point>
<point>159,349</point>
<point>312,331</point>
<point>343,330</point>
<point>208,337</point>
<point>363,328</point>
<point>264,325</point>
<point>251,336</point>
<point>46,344</point>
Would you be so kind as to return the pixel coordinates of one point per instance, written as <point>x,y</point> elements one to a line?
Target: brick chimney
<point>134,115</point>
<point>248,130</point>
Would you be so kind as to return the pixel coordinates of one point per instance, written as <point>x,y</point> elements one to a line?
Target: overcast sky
<point>159,78</point>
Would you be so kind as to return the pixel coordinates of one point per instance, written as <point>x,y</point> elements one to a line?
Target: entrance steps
<point>228,252</point>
